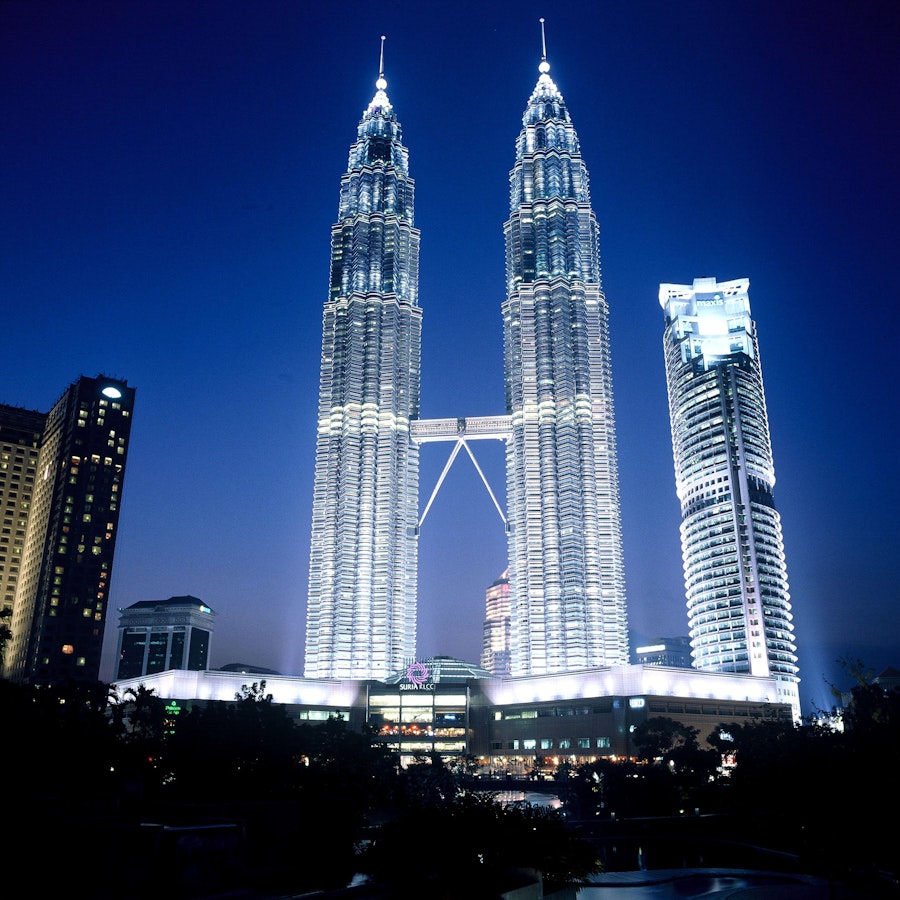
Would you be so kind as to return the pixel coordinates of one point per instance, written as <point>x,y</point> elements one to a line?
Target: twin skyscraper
<point>568,607</point>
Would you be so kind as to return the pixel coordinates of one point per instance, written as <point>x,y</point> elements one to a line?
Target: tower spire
<point>544,67</point>
<point>380,101</point>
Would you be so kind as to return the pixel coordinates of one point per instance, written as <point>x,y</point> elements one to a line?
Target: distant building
<point>888,679</point>
<point>495,647</point>
<point>739,610</point>
<point>247,669</point>
<point>62,491</point>
<point>670,651</point>
<point>155,635</point>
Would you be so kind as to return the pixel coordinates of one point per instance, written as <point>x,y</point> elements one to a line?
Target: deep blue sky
<point>169,175</point>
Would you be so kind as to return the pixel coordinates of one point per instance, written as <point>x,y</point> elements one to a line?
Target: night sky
<point>169,174</point>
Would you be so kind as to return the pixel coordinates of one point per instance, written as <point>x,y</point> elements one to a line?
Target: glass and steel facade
<point>417,723</point>
<point>361,613</point>
<point>566,571</point>
<point>739,610</point>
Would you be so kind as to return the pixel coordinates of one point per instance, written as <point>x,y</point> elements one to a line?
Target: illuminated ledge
<point>626,681</point>
<point>181,684</point>
<point>613,681</point>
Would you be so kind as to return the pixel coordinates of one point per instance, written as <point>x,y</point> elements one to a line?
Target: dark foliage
<point>819,793</point>
<point>294,802</point>
<point>466,846</point>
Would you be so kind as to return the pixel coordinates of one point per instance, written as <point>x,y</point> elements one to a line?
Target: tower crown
<point>380,102</point>
<point>379,135</point>
<point>546,102</point>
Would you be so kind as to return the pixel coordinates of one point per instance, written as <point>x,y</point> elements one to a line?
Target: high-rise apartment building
<point>739,611</point>
<point>495,644</point>
<point>566,570</point>
<point>20,442</point>
<point>361,606</point>
<point>63,514</point>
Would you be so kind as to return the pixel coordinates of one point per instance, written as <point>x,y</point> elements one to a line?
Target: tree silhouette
<point>467,846</point>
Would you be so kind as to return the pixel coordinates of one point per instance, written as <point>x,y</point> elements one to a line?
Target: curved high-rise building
<point>739,611</point>
<point>361,606</point>
<point>566,571</point>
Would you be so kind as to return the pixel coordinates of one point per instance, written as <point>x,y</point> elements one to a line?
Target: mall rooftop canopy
<point>439,670</point>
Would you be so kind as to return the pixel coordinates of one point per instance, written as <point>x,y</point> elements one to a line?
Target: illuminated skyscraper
<point>739,611</point>
<point>495,642</point>
<point>20,444</point>
<point>361,612</point>
<point>64,514</point>
<point>566,570</point>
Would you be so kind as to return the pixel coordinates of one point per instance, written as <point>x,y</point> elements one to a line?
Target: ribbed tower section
<point>566,570</point>
<point>736,586</point>
<point>361,612</point>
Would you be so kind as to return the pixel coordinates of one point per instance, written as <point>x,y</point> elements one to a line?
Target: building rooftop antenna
<point>381,83</point>
<point>544,67</point>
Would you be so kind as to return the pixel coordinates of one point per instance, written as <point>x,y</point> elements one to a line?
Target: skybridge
<point>460,431</point>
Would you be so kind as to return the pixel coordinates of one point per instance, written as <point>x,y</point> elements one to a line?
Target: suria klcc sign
<point>418,678</point>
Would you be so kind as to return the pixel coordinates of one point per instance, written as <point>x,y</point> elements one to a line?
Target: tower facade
<point>69,503</point>
<point>566,570</point>
<point>361,605</point>
<point>739,610</point>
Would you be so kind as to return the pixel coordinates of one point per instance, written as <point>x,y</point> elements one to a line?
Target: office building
<point>739,610</point>
<point>495,646</point>
<point>667,651</point>
<point>155,635</point>
<point>67,502</point>
<point>566,570</point>
<point>361,606</point>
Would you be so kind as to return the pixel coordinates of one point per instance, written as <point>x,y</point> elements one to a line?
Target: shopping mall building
<point>446,706</point>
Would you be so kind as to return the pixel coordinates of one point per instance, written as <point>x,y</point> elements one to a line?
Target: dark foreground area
<point>262,852</point>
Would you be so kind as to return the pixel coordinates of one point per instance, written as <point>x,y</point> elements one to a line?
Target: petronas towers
<point>567,609</point>
<point>567,582</point>
<point>567,593</point>
<point>361,619</point>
